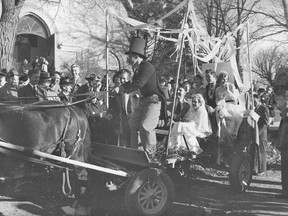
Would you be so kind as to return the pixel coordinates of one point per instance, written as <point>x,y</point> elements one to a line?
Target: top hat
<point>93,76</point>
<point>45,76</point>
<point>137,46</point>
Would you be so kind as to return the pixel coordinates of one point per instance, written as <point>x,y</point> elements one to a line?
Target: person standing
<point>152,106</point>
<point>66,88</point>
<point>263,123</point>
<point>76,79</point>
<point>282,144</point>
<point>210,98</point>
<point>163,85</point>
<point>31,92</point>
<point>3,74</point>
<point>181,106</point>
<point>9,92</point>
<point>44,85</point>
<point>171,88</point>
<point>84,90</point>
<point>55,82</point>
<point>198,87</point>
<point>43,64</point>
<point>270,103</point>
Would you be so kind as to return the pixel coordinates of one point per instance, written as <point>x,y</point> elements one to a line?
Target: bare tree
<point>148,11</point>
<point>273,17</point>
<point>8,24</point>
<point>223,16</point>
<point>269,63</point>
<point>9,19</point>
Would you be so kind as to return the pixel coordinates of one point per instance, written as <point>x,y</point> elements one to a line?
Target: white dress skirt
<point>200,126</point>
<point>229,117</point>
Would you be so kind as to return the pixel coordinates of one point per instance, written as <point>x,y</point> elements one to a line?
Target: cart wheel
<point>149,193</point>
<point>241,172</point>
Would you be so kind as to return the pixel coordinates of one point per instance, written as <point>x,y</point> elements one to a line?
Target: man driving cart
<point>152,106</point>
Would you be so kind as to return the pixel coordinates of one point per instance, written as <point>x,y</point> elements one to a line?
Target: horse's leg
<point>82,203</point>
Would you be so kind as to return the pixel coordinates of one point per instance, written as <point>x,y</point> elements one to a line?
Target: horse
<point>51,127</point>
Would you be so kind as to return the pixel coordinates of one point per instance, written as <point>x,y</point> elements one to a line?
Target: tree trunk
<point>285,8</point>
<point>8,25</point>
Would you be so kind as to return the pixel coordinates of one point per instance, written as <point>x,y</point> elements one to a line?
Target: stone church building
<point>69,31</point>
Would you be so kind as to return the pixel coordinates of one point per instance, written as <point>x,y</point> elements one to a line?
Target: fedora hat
<point>74,65</point>
<point>45,76</point>
<point>3,72</point>
<point>12,73</point>
<point>137,46</point>
<point>24,79</point>
<point>93,76</point>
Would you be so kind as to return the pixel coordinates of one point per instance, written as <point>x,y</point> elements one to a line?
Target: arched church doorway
<point>33,40</point>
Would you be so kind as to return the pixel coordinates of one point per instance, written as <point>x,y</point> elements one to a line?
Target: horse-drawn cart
<point>149,189</point>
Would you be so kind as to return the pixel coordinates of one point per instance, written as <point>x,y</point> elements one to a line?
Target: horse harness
<point>59,146</point>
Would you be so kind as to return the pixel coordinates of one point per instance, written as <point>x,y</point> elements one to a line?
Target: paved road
<point>210,195</point>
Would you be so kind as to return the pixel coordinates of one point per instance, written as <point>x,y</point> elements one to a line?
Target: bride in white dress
<point>196,123</point>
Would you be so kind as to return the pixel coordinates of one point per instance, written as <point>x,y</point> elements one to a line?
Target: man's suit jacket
<point>263,121</point>
<point>8,93</point>
<point>210,101</point>
<point>82,90</point>
<point>146,80</point>
<point>180,110</point>
<point>27,94</point>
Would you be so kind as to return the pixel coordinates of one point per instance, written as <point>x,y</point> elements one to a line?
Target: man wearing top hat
<point>152,105</point>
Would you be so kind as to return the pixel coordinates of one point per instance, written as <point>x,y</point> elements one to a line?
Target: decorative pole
<point>107,54</point>
<point>249,62</point>
<point>177,77</point>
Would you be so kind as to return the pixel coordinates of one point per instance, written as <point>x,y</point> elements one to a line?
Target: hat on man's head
<point>93,76</point>
<point>137,46</point>
<point>45,76</point>
<point>11,73</point>
<point>173,81</point>
<point>3,72</point>
<point>57,72</point>
<point>24,79</point>
<point>33,72</point>
<point>74,66</point>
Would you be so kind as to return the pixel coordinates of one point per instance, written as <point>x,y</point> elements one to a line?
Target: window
<point>31,25</point>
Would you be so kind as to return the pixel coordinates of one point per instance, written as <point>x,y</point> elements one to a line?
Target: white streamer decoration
<point>216,49</point>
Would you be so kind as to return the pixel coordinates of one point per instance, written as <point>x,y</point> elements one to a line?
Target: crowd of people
<point>138,104</point>
<point>200,111</point>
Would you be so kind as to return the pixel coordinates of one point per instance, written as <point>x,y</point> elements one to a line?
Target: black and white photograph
<point>143,107</point>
